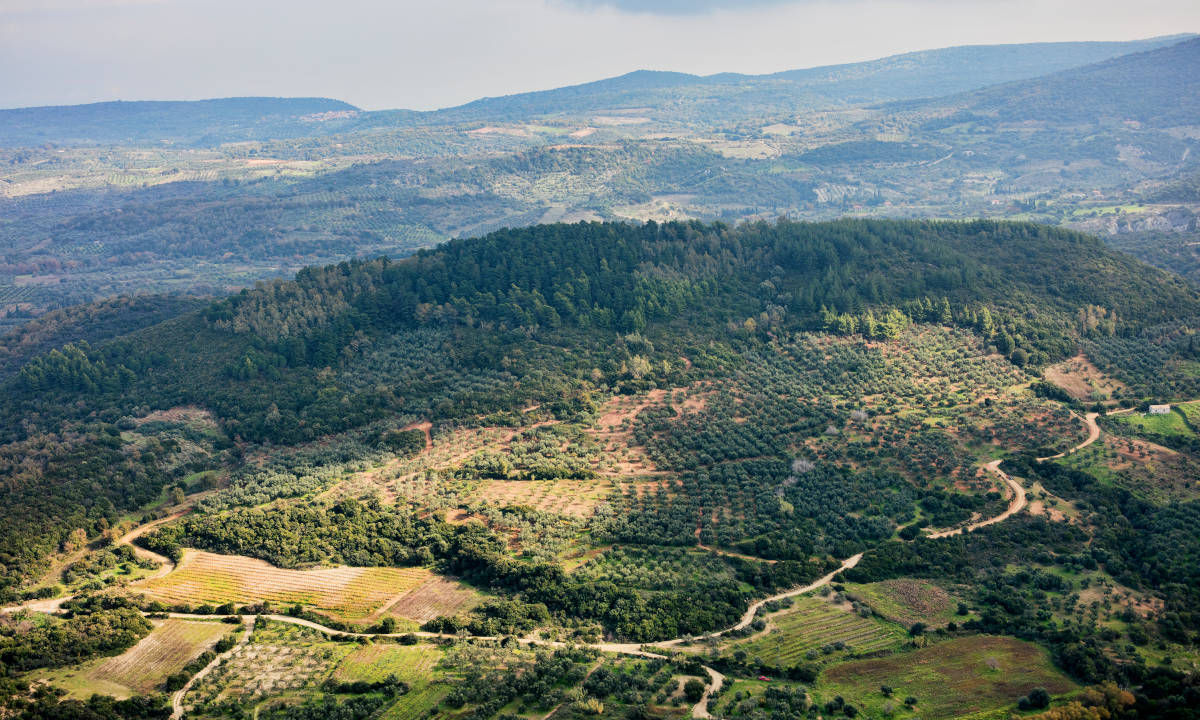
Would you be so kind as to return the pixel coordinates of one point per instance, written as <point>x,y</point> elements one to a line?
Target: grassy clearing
<point>1191,411</point>
<point>816,626</point>
<point>416,703</point>
<point>346,593</point>
<point>414,664</point>
<point>954,678</point>
<point>1170,424</point>
<point>907,601</point>
<point>143,668</point>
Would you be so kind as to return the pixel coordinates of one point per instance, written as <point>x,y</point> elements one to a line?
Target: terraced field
<point>142,669</point>
<point>812,624</point>
<point>345,593</point>
<point>577,498</point>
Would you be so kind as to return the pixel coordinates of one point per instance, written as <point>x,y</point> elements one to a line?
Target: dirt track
<point>1018,502</point>
<point>1093,436</point>
<point>177,698</point>
<point>716,680</point>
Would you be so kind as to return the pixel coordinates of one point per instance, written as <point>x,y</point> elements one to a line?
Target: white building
<point>1160,409</point>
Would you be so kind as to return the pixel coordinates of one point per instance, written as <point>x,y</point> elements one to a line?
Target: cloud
<point>49,6</point>
<point>676,7</point>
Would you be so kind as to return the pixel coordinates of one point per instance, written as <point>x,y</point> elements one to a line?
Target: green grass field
<point>416,704</point>
<point>951,679</point>
<point>1170,424</point>
<point>812,625</point>
<point>907,601</point>
<point>414,664</point>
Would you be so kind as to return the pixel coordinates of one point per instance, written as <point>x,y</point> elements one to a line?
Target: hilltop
<point>194,122</point>
<point>1157,87</point>
<point>668,455</point>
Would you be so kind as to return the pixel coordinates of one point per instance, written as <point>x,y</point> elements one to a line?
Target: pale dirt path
<point>1018,503</point>
<point>426,427</point>
<point>165,563</point>
<point>715,682</point>
<point>748,616</point>
<point>54,605</point>
<point>1093,436</point>
<point>727,553</point>
<point>177,698</point>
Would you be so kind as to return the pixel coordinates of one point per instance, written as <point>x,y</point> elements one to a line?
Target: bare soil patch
<point>435,597</point>
<point>1081,379</point>
<point>185,414</point>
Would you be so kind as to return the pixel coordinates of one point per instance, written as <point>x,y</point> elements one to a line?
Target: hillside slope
<point>515,298</point>
<point>1159,87</point>
<point>927,73</point>
<point>199,122</point>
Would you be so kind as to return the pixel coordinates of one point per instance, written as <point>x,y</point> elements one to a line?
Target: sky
<point>425,54</point>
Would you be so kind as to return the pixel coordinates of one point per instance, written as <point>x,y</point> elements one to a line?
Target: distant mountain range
<point>922,74</point>
<point>667,97</point>
<point>208,196</point>
<point>1158,87</point>
<point>199,122</point>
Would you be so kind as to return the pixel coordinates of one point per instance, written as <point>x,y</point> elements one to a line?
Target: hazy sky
<point>433,53</point>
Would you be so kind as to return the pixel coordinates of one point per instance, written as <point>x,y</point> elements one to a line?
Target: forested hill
<point>1159,87</point>
<point>203,122</point>
<point>530,315</point>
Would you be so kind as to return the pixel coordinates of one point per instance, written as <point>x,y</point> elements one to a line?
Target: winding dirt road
<point>748,616</point>
<point>1015,505</point>
<point>716,679</point>
<point>165,566</point>
<point>1093,436</point>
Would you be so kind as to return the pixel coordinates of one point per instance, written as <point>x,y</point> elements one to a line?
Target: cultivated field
<point>816,626</point>
<point>416,704</point>
<point>906,601</point>
<point>1148,470</point>
<point>346,593</point>
<point>950,679</point>
<point>414,664</point>
<point>264,668</point>
<point>435,597</point>
<point>1170,424</point>
<point>577,498</point>
<point>1082,380</point>
<point>142,669</point>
